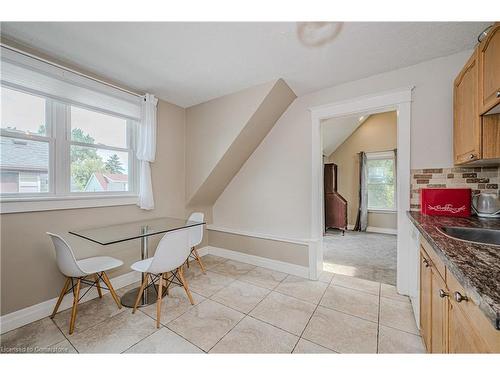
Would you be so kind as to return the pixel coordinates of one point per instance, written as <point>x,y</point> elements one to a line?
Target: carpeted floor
<point>369,256</point>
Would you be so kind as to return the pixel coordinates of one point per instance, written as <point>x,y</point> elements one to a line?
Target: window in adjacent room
<point>381,182</point>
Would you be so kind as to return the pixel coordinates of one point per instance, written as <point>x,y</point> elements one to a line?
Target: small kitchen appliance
<point>445,202</point>
<point>486,205</point>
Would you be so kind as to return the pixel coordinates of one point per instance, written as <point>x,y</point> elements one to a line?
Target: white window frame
<point>384,155</point>
<point>58,136</point>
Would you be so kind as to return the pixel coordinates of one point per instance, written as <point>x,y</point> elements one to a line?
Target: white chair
<point>171,253</point>
<point>79,270</point>
<point>195,238</point>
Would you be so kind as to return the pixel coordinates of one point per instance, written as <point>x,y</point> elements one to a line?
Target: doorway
<point>399,101</point>
<point>359,183</point>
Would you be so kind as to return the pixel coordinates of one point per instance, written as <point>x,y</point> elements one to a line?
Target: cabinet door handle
<point>498,94</point>
<point>426,263</point>
<point>472,156</point>
<point>442,293</point>
<point>459,297</point>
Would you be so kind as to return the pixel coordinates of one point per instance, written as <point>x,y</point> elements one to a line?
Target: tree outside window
<point>381,184</point>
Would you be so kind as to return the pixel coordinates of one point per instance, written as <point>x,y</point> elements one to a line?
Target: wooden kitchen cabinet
<point>450,322</point>
<point>489,70</point>
<point>476,104</point>
<point>425,299</point>
<point>462,337</point>
<point>466,119</point>
<point>439,313</point>
<point>433,305</point>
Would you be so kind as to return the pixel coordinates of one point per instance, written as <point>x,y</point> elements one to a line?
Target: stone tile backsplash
<point>479,179</point>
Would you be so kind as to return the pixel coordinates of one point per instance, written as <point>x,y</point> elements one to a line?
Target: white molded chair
<point>171,253</point>
<point>195,238</point>
<point>79,270</point>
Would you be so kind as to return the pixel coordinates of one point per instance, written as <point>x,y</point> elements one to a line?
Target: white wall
<point>272,191</point>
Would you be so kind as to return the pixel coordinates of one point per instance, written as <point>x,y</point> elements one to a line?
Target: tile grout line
<point>66,338</point>
<point>309,320</point>
<point>247,314</point>
<point>157,330</point>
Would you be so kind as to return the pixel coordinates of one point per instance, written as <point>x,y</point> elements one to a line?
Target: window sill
<point>33,204</point>
<point>382,211</point>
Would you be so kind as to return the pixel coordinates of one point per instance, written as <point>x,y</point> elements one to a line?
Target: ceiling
<point>336,130</point>
<point>189,63</point>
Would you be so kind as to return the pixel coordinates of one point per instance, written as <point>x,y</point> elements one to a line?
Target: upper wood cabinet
<point>489,70</point>
<point>466,120</point>
<point>476,104</point>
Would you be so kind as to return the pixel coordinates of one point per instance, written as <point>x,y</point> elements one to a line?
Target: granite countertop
<point>475,266</point>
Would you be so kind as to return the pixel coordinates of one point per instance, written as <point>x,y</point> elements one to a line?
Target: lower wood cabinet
<point>425,299</point>
<point>439,313</point>
<point>450,322</point>
<point>462,337</point>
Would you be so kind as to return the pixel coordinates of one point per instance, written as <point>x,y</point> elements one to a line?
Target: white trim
<point>41,310</point>
<point>34,204</point>
<point>382,230</point>
<point>399,100</point>
<point>382,211</point>
<point>292,269</point>
<point>21,70</point>
<point>258,235</point>
<point>377,155</point>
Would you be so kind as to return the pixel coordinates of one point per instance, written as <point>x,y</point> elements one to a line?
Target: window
<point>381,182</point>
<point>53,149</point>
<point>25,144</point>
<point>99,152</point>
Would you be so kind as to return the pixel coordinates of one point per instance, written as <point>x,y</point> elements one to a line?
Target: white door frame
<point>399,100</point>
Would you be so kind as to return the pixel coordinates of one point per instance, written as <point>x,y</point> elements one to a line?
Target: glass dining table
<point>116,233</point>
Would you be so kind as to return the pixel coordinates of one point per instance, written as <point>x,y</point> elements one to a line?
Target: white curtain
<point>146,150</point>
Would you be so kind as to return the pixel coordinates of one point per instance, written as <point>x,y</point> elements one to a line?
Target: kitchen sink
<point>479,235</point>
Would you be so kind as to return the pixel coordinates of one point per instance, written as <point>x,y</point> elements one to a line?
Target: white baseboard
<point>41,310</point>
<point>272,264</point>
<point>382,230</point>
<point>264,236</point>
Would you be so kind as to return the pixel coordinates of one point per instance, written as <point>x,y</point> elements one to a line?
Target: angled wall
<point>271,194</point>
<point>222,134</point>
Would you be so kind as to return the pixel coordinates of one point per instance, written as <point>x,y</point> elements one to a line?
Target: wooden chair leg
<point>61,296</point>
<point>158,301</point>
<point>111,290</point>
<point>185,284</point>
<point>98,286</point>
<point>76,296</point>
<point>198,259</point>
<point>166,282</point>
<point>141,289</point>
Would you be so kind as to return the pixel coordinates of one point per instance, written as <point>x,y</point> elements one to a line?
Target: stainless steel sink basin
<point>478,235</point>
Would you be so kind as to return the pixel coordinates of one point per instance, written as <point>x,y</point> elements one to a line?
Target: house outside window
<point>94,149</point>
<point>381,182</point>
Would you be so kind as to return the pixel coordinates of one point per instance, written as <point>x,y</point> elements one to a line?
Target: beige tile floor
<point>239,308</point>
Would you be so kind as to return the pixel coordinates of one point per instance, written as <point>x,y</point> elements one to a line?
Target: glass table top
<point>111,234</point>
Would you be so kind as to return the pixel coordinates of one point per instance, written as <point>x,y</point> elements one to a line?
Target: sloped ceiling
<point>221,134</point>
<point>337,130</point>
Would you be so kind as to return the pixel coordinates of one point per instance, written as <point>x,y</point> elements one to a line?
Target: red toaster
<point>445,202</point>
